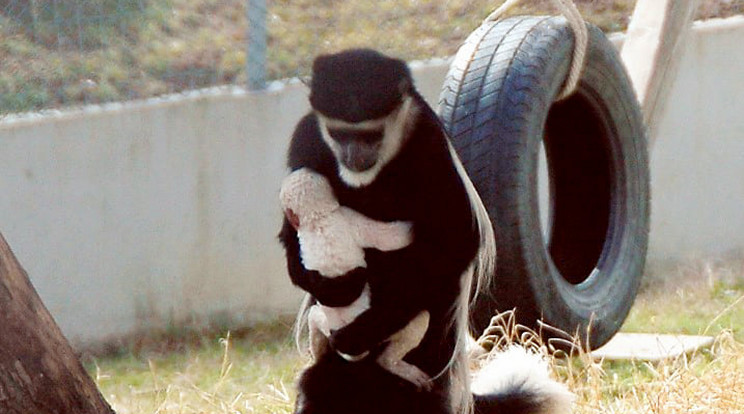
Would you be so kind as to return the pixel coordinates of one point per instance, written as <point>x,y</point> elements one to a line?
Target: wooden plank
<point>650,347</point>
<point>652,51</point>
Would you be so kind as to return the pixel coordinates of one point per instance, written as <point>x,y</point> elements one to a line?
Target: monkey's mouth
<point>359,158</point>
<point>359,165</point>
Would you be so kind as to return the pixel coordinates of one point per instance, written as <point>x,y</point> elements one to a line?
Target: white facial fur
<point>396,125</point>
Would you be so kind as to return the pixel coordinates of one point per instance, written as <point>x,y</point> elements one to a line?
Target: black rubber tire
<point>499,106</point>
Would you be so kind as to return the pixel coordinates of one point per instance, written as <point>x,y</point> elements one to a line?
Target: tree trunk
<point>39,372</point>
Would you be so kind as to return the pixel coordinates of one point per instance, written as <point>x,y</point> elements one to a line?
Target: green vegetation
<point>75,52</point>
<point>696,299</point>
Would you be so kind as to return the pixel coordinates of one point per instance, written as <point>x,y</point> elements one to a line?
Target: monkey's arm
<point>335,292</point>
<point>380,235</point>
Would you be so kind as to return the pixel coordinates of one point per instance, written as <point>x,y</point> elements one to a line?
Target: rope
<point>581,34</point>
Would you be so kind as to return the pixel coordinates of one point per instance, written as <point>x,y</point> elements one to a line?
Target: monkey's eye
<point>343,136</point>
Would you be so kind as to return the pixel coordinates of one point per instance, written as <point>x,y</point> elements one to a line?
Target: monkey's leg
<point>316,322</point>
<point>401,343</point>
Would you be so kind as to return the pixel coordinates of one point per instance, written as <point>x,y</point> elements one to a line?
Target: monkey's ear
<point>404,86</point>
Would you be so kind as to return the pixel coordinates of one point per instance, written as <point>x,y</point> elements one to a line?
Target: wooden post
<point>652,50</point>
<point>39,372</point>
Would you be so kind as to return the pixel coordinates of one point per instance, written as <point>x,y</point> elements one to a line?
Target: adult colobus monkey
<point>387,156</point>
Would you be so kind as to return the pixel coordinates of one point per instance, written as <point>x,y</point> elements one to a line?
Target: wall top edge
<point>218,92</point>
<point>718,24</point>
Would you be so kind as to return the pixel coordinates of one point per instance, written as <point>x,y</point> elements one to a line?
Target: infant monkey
<point>332,241</point>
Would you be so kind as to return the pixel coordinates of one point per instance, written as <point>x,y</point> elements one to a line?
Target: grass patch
<point>253,370</point>
<point>92,51</point>
<point>701,297</point>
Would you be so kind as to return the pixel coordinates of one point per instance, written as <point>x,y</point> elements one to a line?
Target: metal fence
<point>56,53</point>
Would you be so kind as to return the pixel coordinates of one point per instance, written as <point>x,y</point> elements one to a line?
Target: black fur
<point>421,185</point>
<point>334,386</point>
<point>358,85</point>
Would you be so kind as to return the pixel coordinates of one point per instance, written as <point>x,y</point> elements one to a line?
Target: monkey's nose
<point>359,158</point>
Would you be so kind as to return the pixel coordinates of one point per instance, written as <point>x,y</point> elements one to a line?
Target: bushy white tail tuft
<point>523,377</point>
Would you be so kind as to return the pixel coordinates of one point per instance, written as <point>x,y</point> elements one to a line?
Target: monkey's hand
<point>293,218</point>
<point>354,358</point>
<point>337,291</point>
<point>349,350</point>
<point>371,328</point>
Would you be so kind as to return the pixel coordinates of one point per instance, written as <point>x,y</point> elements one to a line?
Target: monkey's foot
<point>408,372</point>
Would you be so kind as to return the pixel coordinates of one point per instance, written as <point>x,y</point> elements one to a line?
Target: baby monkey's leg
<point>317,323</point>
<point>401,343</point>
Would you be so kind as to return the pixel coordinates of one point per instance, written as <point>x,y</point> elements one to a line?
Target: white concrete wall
<point>697,162</point>
<point>131,215</point>
<point>151,212</point>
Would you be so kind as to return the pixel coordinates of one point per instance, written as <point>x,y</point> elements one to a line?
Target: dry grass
<point>250,373</point>
<point>697,297</point>
<point>253,370</point>
<point>708,382</point>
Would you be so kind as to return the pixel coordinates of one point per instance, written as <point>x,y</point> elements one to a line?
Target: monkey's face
<point>363,104</point>
<point>357,149</point>
<point>363,148</point>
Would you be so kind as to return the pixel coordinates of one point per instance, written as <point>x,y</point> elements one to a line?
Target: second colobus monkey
<point>386,155</point>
